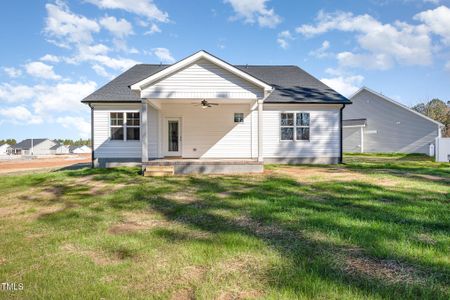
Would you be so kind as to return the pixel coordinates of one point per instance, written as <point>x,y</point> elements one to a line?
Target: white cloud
<point>437,21</point>
<point>50,58</point>
<point>41,70</point>
<point>15,93</point>
<point>120,28</point>
<point>283,39</point>
<point>19,115</point>
<point>68,28</point>
<point>145,8</point>
<point>447,66</point>
<point>83,126</point>
<point>163,54</point>
<point>372,61</point>
<point>255,11</point>
<point>322,51</point>
<point>153,29</point>
<point>398,42</point>
<point>12,72</point>
<point>97,54</point>
<point>346,85</point>
<point>47,98</point>
<point>61,97</point>
<point>435,2</point>
<point>101,71</point>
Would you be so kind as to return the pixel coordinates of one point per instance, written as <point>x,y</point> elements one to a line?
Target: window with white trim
<point>125,126</point>
<point>294,126</point>
<point>238,117</point>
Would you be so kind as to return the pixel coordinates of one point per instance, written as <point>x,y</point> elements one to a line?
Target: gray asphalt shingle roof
<point>26,144</point>
<point>291,85</point>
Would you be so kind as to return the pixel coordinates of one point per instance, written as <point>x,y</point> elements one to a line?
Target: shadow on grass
<point>336,232</point>
<point>396,275</point>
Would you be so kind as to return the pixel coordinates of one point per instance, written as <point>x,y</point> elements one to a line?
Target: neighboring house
<point>376,123</point>
<point>4,147</point>
<point>60,149</point>
<point>203,109</point>
<point>80,149</point>
<point>35,147</point>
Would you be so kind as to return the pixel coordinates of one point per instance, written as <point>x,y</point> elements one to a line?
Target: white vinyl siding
<point>390,127</point>
<point>104,147</point>
<point>211,132</point>
<point>352,139</point>
<point>324,132</point>
<point>202,79</point>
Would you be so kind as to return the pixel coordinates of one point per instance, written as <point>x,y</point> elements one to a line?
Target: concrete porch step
<point>159,170</point>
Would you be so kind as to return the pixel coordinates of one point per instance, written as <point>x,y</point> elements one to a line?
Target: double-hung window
<point>125,126</point>
<point>294,126</point>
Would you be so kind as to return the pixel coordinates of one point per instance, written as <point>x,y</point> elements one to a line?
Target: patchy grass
<point>376,227</point>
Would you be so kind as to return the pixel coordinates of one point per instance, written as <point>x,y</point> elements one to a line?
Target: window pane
<point>117,133</point>
<point>238,117</point>
<point>173,136</point>
<point>116,119</point>
<point>303,133</point>
<point>133,133</point>
<point>287,119</point>
<point>303,119</point>
<point>287,134</point>
<point>133,119</point>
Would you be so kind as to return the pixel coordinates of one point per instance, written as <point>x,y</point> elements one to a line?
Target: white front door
<point>172,137</point>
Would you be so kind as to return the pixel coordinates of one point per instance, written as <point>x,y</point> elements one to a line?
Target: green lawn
<point>376,227</point>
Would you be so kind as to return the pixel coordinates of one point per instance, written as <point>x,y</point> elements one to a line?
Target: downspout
<point>92,136</point>
<point>341,146</point>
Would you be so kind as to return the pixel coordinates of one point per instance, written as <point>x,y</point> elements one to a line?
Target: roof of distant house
<point>26,144</point>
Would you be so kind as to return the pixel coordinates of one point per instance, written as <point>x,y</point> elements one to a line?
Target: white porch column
<point>144,133</point>
<point>260,130</point>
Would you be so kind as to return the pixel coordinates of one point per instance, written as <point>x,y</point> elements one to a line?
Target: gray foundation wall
<point>117,162</point>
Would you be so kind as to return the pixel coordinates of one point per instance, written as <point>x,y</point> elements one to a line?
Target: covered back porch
<point>202,115</point>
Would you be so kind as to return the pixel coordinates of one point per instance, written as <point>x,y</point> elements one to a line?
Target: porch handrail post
<point>260,130</point>
<point>144,134</point>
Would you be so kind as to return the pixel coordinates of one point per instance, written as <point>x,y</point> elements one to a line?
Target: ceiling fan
<point>205,104</point>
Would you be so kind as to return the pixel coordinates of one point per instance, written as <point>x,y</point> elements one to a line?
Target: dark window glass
<point>302,133</point>
<point>287,119</point>
<point>302,119</point>
<point>238,117</point>
<point>287,133</point>
<point>133,119</point>
<point>117,133</point>
<point>173,136</point>
<point>133,133</point>
<point>116,119</point>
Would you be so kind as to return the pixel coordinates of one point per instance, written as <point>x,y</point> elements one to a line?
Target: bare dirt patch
<point>98,257</point>
<point>10,166</point>
<point>137,221</point>
<point>386,270</point>
<point>315,174</point>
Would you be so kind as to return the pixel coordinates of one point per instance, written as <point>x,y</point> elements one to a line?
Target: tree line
<point>437,110</point>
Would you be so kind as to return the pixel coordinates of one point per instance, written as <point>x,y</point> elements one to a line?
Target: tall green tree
<point>438,110</point>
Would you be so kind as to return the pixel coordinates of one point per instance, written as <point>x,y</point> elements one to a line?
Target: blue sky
<point>56,52</point>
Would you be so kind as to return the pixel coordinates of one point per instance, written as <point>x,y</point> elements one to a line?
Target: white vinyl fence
<point>443,149</point>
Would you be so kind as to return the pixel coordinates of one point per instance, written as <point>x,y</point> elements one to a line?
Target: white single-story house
<point>35,147</point>
<point>60,149</point>
<point>80,149</point>
<point>4,149</point>
<point>375,123</point>
<point>202,114</point>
